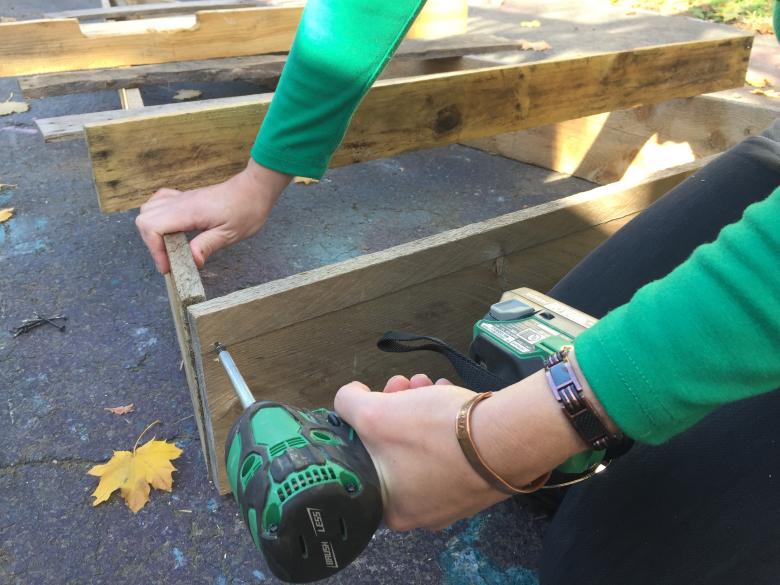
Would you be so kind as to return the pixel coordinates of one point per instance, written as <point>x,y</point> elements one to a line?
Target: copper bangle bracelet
<point>466,442</point>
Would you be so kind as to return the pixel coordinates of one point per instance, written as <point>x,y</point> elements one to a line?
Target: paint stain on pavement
<point>463,564</point>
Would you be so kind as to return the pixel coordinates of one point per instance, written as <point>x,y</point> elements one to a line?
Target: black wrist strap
<point>474,376</point>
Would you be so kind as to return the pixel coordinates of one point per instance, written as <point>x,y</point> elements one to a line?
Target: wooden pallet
<point>583,128</point>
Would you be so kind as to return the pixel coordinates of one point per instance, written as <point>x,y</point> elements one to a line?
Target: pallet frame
<point>274,327</point>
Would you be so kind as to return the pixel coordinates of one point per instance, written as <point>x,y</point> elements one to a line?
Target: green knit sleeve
<point>705,335</point>
<point>339,50</point>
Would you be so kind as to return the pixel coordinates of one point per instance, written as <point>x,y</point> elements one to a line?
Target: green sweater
<point>654,374</point>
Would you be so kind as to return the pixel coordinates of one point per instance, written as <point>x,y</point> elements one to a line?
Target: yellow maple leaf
<point>6,214</point>
<point>767,92</point>
<point>135,472</point>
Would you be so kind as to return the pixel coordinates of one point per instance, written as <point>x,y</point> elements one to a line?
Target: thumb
<point>205,244</point>
<point>351,402</point>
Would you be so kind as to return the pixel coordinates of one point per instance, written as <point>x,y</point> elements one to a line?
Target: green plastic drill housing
<point>306,486</point>
<point>518,333</point>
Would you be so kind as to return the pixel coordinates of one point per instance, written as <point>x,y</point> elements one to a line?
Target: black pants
<point>704,507</point>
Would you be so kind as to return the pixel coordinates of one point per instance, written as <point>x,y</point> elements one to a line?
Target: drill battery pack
<point>523,329</point>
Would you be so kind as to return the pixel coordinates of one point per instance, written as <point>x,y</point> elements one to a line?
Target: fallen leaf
<point>533,45</point>
<point>6,214</point>
<point>771,93</point>
<point>304,181</point>
<point>530,24</point>
<point>120,410</point>
<point>13,108</point>
<point>135,472</point>
<point>6,186</point>
<point>755,80</point>
<point>186,94</point>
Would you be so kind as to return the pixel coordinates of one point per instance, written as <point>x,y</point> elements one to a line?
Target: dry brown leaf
<point>120,410</point>
<point>135,472</point>
<point>6,214</point>
<point>534,45</point>
<point>530,24</point>
<point>10,107</point>
<point>186,94</point>
<point>771,93</point>
<point>304,181</point>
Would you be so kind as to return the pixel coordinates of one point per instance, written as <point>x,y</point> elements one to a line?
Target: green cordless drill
<point>305,484</point>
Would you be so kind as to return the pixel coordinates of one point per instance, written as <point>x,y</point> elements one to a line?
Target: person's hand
<point>409,431</point>
<point>225,213</point>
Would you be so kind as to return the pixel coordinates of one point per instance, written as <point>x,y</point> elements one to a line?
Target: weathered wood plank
<point>40,46</point>
<point>72,126</point>
<point>438,285</point>
<point>260,69</point>
<point>151,10</point>
<point>130,99</point>
<point>198,148</point>
<point>184,272</point>
<point>628,143</point>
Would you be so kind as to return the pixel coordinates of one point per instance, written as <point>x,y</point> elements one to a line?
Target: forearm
<point>522,431</point>
<point>703,336</point>
<point>339,50</point>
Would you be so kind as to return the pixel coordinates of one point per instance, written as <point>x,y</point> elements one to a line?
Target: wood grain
<point>147,10</point>
<point>71,126</point>
<point>40,46</point>
<point>630,143</point>
<point>259,69</point>
<point>298,339</point>
<point>198,148</point>
<point>184,273</point>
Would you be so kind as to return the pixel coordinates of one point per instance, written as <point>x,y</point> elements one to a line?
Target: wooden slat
<point>184,273</point>
<point>199,148</point>
<point>40,46</point>
<point>130,99</point>
<point>72,126</point>
<point>624,144</point>
<point>184,289</point>
<point>147,10</point>
<point>260,69</point>
<point>298,339</point>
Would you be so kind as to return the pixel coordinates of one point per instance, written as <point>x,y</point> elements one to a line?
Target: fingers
<point>154,241</point>
<point>397,384</point>
<point>420,381</point>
